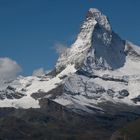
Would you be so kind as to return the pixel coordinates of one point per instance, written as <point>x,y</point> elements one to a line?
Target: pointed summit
<point>96,43</point>
<point>101,19</point>
<point>91,12</point>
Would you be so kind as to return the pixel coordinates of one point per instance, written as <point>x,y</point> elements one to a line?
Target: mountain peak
<point>93,10</point>
<point>95,38</point>
<point>100,18</point>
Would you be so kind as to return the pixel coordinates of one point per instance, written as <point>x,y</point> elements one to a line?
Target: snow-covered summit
<point>94,10</point>
<point>99,67</point>
<point>96,43</point>
<point>101,19</point>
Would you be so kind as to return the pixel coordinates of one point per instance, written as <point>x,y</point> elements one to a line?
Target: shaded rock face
<point>136,99</point>
<point>10,93</point>
<point>104,55</point>
<point>54,93</point>
<point>114,48</point>
<point>132,52</point>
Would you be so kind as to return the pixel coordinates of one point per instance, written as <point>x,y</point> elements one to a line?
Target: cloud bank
<point>9,69</point>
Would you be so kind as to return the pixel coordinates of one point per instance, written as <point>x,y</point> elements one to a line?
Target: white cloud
<point>9,69</point>
<point>39,72</point>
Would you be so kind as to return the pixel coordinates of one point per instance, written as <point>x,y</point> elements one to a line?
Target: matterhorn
<point>95,82</point>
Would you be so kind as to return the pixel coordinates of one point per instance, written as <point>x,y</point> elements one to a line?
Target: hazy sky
<point>30,29</point>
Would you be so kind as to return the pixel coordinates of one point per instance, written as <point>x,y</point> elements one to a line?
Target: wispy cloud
<point>60,48</point>
<point>39,72</point>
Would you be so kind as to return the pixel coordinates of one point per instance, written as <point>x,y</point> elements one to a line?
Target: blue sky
<point>29,29</point>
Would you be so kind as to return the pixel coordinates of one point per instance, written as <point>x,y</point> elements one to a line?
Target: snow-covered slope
<point>26,86</point>
<point>99,68</point>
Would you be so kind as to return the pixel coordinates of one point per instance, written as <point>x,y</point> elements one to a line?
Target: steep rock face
<point>96,47</point>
